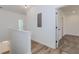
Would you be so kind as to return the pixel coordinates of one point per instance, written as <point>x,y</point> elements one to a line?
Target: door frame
<point>56,28</point>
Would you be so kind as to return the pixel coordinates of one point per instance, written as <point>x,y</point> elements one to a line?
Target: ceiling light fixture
<point>25,6</point>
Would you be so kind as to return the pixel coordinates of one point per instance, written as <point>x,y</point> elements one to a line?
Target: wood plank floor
<point>41,49</point>
<point>69,44</point>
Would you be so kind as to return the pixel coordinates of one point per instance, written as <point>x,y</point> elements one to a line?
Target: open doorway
<point>59,25</point>
<point>67,21</point>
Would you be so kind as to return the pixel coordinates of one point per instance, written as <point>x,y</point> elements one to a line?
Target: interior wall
<point>45,34</point>
<point>8,20</point>
<point>20,42</point>
<point>71,23</point>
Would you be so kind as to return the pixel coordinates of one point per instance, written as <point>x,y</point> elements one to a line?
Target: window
<point>20,24</point>
<point>39,20</point>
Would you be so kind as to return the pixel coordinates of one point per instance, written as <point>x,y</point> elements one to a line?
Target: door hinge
<point>56,13</point>
<point>56,41</point>
<point>56,27</point>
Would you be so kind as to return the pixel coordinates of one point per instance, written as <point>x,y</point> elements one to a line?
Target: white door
<point>59,27</point>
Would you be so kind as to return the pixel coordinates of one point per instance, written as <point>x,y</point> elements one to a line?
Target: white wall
<point>8,20</point>
<point>46,34</point>
<point>20,42</point>
<point>71,22</point>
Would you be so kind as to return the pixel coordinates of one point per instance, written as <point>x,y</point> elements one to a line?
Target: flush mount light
<point>25,6</point>
<point>73,11</point>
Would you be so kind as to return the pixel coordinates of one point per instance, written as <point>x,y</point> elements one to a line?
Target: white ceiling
<point>14,8</point>
<point>68,9</point>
